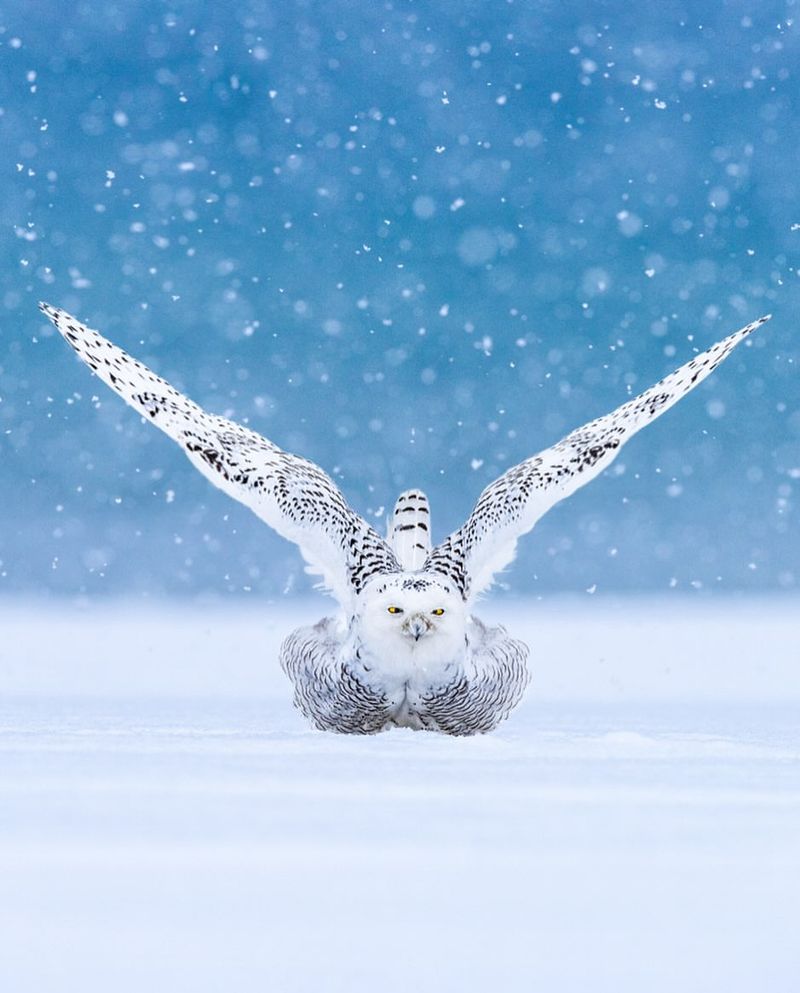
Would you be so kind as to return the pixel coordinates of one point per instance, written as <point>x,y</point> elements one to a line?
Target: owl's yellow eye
<point>439,611</point>
<point>395,610</point>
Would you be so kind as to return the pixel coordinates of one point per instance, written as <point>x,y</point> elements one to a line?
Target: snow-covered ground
<point>169,823</point>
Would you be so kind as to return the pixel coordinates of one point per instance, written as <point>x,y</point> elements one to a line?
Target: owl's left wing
<point>509,507</point>
<point>291,494</point>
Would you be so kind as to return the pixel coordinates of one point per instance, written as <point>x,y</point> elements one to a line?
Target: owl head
<point>418,612</point>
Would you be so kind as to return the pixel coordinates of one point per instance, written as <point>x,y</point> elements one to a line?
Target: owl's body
<point>406,649</point>
<point>342,684</point>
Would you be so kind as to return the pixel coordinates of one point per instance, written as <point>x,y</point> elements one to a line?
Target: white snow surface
<point>169,823</point>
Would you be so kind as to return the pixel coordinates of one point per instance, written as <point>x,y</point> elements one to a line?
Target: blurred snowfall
<point>416,242</point>
<point>413,241</point>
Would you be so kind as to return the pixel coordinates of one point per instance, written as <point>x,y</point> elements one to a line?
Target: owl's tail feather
<point>410,529</point>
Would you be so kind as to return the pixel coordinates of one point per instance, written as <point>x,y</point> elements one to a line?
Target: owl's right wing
<point>291,494</point>
<point>509,507</point>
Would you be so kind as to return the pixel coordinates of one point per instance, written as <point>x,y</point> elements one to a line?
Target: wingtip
<point>49,311</point>
<point>748,329</point>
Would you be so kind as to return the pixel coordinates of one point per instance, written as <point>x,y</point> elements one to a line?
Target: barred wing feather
<point>509,507</point>
<point>291,494</point>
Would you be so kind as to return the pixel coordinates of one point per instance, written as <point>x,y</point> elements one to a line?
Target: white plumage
<point>410,530</point>
<point>406,649</point>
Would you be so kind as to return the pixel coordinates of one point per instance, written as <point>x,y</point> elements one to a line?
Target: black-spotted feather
<point>509,507</point>
<point>291,494</point>
<point>410,530</point>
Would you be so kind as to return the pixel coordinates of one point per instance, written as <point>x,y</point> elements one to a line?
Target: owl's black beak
<point>416,626</point>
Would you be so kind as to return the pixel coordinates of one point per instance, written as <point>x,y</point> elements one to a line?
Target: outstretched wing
<point>291,494</point>
<point>510,506</point>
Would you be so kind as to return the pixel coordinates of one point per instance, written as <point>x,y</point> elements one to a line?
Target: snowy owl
<point>405,649</point>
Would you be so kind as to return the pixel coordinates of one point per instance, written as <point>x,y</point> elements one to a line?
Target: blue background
<point>415,242</point>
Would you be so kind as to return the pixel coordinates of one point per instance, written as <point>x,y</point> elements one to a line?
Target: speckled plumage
<point>410,530</point>
<point>510,506</point>
<point>406,650</point>
<point>333,673</point>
